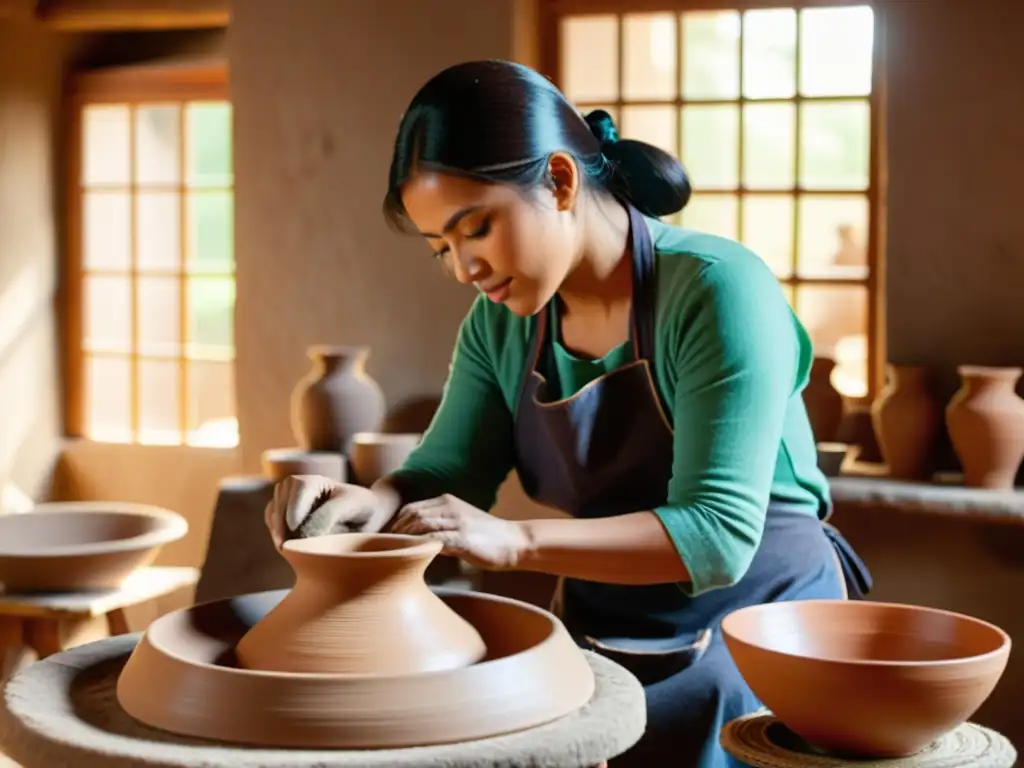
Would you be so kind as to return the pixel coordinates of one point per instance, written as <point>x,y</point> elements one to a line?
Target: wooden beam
<point>138,15</point>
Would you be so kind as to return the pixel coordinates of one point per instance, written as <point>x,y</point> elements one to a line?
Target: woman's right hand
<point>351,507</point>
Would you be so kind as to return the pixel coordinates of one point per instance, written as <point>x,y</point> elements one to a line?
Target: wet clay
<point>361,606</point>
<point>183,678</point>
<point>866,679</point>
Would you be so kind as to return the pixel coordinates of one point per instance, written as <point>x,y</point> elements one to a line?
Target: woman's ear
<point>565,179</point>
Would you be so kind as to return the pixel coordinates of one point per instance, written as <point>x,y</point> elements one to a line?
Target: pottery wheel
<point>63,711</point>
<point>760,740</point>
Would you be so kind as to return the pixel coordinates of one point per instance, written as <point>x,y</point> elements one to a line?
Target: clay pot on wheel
<point>360,606</point>
<point>906,418</point>
<point>986,424</point>
<point>336,400</point>
<point>824,404</point>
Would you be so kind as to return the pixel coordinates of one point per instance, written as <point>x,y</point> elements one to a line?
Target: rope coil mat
<point>762,741</point>
<point>63,711</point>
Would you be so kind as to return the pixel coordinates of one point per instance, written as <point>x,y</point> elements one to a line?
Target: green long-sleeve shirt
<point>730,362</point>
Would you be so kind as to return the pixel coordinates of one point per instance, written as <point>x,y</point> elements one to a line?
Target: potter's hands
<point>470,534</point>
<point>340,508</point>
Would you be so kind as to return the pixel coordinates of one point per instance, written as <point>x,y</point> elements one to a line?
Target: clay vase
<point>360,606</point>
<point>906,417</point>
<point>375,455</point>
<point>986,425</point>
<point>824,404</point>
<point>335,400</point>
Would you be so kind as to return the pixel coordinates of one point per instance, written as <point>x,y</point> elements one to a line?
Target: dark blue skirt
<point>693,687</point>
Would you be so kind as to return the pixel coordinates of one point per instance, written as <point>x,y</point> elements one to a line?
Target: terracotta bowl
<point>183,678</point>
<point>82,545</point>
<point>866,679</point>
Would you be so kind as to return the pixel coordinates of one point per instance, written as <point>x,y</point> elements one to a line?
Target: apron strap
<point>644,287</point>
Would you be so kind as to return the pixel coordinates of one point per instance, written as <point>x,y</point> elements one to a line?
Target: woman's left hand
<point>468,533</point>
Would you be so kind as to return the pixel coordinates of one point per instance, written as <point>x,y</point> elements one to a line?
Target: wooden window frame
<point>553,11</point>
<point>133,84</point>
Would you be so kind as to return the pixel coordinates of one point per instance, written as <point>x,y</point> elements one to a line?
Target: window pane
<point>769,146</point>
<point>211,316</point>
<point>108,398</point>
<point>105,144</point>
<point>590,64</point>
<point>108,313</point>
<point>649,69</point>
<point>157,140</point>
<point>837,319</point>
<point>106,231</point>
<point>768,230</point>
<point>211,232</point>
<point>836,46</point>
<point>711,55</point>
<point>159,316</point>
<point>655,125</point>
<point>715,214</point>
<point>835,144</point>
<point>769,54</point>
<point>158,231</point>
<point>211,404</point>
<point>159,402</point>
<point>710,141</point>
<point>833,236</point>
<point>208,139</point>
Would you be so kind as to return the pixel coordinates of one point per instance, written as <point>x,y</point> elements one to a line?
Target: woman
<point>642,378</point>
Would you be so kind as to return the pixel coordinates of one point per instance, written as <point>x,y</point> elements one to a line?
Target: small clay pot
<point>361,606</point>
<point>906,418</point>
<point>823,402</point>
<point>335,400</point>
<point>279,463</point>
<point>986,425</point>
<point>82,545</point>
<point>866,679</point>
<point>376,454</point>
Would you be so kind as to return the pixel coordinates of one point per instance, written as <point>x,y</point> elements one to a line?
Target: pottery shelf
<point>937,498</point>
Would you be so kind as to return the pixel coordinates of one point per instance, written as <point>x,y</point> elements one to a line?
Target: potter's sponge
<point>332,515</point>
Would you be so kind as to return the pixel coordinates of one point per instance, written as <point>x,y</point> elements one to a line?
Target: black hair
<point>499,122</point>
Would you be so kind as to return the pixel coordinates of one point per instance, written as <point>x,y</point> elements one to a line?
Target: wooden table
<point>51,622</point>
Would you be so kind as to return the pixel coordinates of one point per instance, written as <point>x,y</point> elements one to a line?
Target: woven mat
<point>63,712</point>
<point>755,739</point>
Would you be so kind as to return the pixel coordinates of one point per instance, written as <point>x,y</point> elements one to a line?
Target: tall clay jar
<point>336,400</point>
<point>824,404</point>
<point>906,417</point>
<point>986,425</point>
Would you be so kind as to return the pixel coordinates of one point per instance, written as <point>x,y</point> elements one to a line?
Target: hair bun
<point>602,126</point>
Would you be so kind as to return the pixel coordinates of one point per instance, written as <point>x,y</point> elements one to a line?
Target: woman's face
<point>515,246</point>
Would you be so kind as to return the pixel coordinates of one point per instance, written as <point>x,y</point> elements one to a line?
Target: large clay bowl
<point>181,678</point>
<point>82,545</point>
<point>866,679</point>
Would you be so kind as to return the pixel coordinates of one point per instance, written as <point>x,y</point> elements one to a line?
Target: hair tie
<point>603,127</point>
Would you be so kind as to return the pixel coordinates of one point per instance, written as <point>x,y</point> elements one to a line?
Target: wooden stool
<point>51,622</point>
<point>762,741</point>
